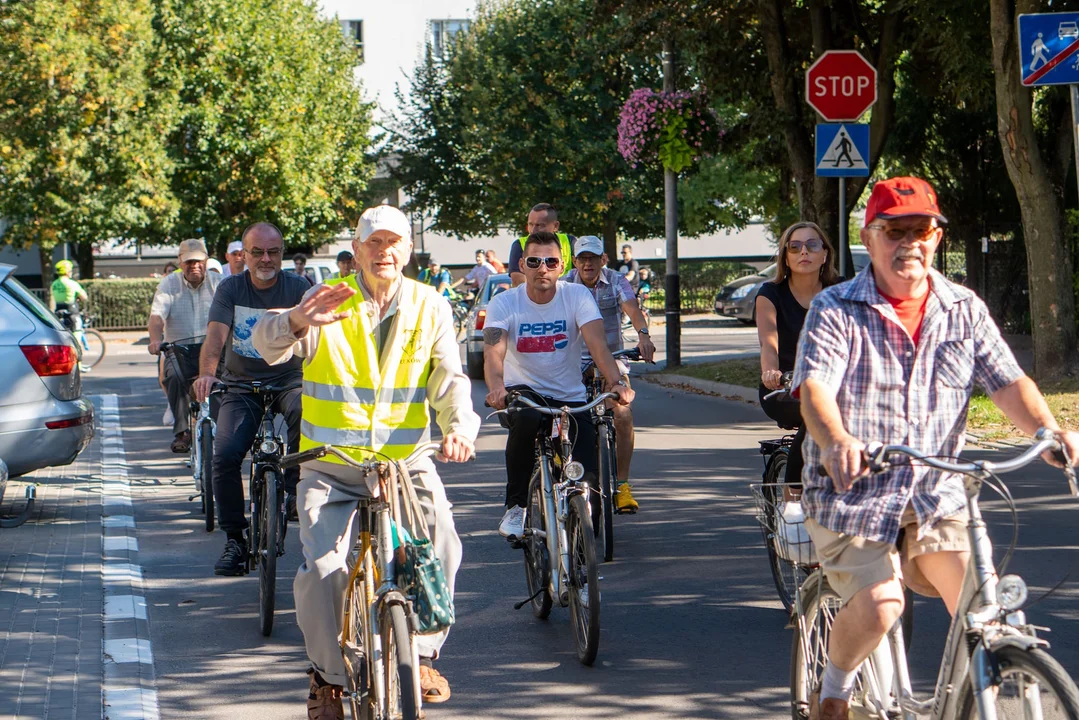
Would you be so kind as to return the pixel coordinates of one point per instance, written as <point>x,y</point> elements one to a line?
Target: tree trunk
<point>610,237</point>
<point>1049,263</point>
<point>47,274</point>
<point>84,258</point>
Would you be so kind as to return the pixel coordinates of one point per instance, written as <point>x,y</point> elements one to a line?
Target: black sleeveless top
<point>790,316</point>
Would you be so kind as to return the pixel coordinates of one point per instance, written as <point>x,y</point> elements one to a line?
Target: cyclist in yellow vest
<point>541,218</point>
<point>379,350</point>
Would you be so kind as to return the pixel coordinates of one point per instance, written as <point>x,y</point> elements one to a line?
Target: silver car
<point>474,323</point>
<point>44,419</point>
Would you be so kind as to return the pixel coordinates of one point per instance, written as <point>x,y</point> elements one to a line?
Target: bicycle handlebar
<point>544,410</point>
<point>785,385</point>
<point>367,466</point>
<point>255,388</point>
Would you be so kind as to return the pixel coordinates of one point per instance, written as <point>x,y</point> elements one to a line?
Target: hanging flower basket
<point>676,129</point>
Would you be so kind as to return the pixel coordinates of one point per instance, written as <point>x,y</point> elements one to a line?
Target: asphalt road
<point>691,627</point>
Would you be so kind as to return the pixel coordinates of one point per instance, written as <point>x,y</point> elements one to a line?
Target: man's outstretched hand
<point>320,308</point>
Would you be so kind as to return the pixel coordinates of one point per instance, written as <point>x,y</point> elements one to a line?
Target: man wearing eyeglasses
<point>532,341</point>
<point>892,356</point>
<point>241,300</point>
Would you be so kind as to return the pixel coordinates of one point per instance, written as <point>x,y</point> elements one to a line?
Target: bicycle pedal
<point>517,544</point>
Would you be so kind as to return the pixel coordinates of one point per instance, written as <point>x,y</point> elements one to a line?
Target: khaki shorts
<point>852,563</point>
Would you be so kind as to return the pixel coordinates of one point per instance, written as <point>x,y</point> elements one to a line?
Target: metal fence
<point>699,282</point>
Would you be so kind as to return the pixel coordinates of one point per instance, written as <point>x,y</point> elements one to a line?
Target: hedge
<point>699,281</point>
<point>121,304</point>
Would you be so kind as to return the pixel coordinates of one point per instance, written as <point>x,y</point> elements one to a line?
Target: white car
<point>1068,30</point>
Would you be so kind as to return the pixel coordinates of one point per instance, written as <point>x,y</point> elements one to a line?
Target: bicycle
<point>200,420</point>
<point>606,442</point>
<point>461,308</point>
<point>266,497</point>
<point>379,621</point>
<point>91,342</point>
<point>558,524</point>
<point>989,643</point>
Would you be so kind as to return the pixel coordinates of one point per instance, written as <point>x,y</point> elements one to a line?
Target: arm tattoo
<point>492,336</point>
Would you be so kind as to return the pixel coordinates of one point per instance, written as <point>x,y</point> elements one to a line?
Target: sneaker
<point>233,560</point>
<point>167,418</point>
<point>324,700</point>
<point>623,499</point>
<point>513,523</point>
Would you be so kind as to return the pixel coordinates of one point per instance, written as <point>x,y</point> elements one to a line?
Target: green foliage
<point>271,123</point>
<point>117,304</point>
<point>80,127</point>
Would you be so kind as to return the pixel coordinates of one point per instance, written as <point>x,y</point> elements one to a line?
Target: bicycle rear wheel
<point>269,513</point>
<point>93,347</point>
<point>400,670</point>
<point>583,588</point>
<point>206,450</point>
<point>1033,685</point>
<point>607,470</point>
<point>537,559</point>
<point>352,642</point>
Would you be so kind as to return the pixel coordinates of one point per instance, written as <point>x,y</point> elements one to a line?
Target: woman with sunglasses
<point>805,265</point>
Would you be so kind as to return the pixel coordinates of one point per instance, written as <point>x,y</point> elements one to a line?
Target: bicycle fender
<point>1023,642</point>
<point>810,589</point>
<point>392,597</point>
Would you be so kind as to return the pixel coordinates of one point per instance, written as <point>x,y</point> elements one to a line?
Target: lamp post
<point>673,300</point>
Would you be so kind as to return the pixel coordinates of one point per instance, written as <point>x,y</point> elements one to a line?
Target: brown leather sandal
<point>435,688</point>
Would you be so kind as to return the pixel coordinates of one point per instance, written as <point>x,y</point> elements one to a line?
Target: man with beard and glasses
<point>240,302</point>
<point>893,356</point>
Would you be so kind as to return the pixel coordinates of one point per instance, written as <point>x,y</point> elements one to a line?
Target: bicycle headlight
<point>574,471</point>
<point>1011,592</point>
<point>268,447</point>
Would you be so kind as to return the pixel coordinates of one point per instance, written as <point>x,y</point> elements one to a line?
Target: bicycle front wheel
<point>607,472</point>
<point>352,644</point>
<point>583,580</point>
<point>206,450</point>
<point>784,574</point>
<point>1033,685</point>
<point>537,559</point>
<point>400,670</point>
<point>93,347</point>
<point>267,550</point>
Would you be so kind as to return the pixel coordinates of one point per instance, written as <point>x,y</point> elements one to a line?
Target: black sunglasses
<point>532,262</point>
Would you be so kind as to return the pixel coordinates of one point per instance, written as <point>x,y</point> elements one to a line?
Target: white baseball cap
<point>589,244</point>
<point>383,217</point>
<point>235,246</point>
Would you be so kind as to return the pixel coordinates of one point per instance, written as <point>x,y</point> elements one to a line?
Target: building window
<point>442,34</point>
<point>353,30</point>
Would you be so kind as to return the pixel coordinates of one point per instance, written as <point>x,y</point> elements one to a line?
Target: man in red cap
<point>892,356</point>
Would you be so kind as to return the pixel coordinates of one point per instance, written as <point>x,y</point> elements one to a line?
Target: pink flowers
<point>659,125</point>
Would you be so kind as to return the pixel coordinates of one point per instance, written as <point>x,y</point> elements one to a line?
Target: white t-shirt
<point>545,341</point>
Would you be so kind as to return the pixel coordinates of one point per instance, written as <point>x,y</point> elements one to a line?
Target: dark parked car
<point>738,298</point>
<point>474,324</point>
<point>44,419</point>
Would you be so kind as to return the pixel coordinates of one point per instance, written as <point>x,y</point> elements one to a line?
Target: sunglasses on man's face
<point>795,246</point>
<point>532,262</point>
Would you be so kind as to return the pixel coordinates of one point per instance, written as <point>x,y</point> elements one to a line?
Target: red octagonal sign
<point>841,85</point>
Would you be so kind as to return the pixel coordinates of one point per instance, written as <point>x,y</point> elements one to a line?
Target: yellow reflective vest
<point>354,401</point>
<point>567,252</point>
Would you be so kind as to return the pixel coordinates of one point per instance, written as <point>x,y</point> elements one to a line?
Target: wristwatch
<point>642,331</point>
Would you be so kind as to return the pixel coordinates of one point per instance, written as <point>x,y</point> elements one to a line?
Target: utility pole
<point>673,304</point>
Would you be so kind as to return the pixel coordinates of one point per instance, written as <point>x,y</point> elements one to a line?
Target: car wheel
<point>474,363</point>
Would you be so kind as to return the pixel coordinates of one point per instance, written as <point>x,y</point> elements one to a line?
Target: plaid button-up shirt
<point>891,391</point>
<point>185,310</point>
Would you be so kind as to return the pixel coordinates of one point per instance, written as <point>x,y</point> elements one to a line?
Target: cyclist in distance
<point>614,296</point>
<point>477,275</point>
<point>363,338</point>
<point>238,304</point>
<point>805,265</point>
<point>533,340</point>
<point>893,356</point>
<point>181,310</point>
<point>66,294</point>
<point>437,277</point>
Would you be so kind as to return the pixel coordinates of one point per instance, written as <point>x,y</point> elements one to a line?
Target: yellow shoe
<point>623,499</point>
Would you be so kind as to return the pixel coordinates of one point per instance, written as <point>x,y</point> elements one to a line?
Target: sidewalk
<point>51,596</point>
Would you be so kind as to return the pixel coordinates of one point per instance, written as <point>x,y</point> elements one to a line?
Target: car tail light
<point>481,316</point>
<point>70,422</point>
<point>50,360</point>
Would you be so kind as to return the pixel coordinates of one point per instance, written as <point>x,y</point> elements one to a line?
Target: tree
<point>81,158</point>
<point>1038,185</point>
<point>272,125</point>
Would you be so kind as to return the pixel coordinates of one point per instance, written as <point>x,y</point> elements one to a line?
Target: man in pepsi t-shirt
<point>533,339</point>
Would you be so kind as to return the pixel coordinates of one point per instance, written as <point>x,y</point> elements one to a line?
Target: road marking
<point>128,691</point>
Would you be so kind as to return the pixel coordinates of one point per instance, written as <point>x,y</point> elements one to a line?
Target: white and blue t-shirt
<point>545,342</point>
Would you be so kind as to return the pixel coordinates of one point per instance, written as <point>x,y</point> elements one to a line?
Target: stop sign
<point>841,85</point>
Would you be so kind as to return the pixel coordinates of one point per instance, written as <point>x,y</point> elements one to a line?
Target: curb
<point>736,393</point>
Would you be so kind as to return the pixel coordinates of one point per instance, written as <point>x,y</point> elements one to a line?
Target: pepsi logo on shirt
<point>542,337</point>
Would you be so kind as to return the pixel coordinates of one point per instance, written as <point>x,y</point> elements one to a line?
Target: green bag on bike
<point>418,572</point>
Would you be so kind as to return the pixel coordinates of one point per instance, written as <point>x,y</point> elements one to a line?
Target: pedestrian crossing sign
<point>842,150</point>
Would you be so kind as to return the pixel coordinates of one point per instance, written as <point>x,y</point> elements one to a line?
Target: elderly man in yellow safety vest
<point>379,350</point>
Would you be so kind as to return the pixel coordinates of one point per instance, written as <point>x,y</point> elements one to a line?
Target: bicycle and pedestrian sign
<point>1049,48</point>
<point>842,150</point>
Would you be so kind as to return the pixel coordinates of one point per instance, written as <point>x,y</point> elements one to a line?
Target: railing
<point>699,281</point>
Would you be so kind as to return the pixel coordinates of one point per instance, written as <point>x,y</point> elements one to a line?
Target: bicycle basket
<point>782,521</point>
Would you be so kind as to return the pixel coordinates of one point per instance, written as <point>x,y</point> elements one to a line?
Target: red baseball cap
<point>902,197</point>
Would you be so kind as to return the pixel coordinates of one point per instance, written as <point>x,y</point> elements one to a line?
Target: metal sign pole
<point>1075,125</point>
<point>673,303</point>
<point>843,252</point>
